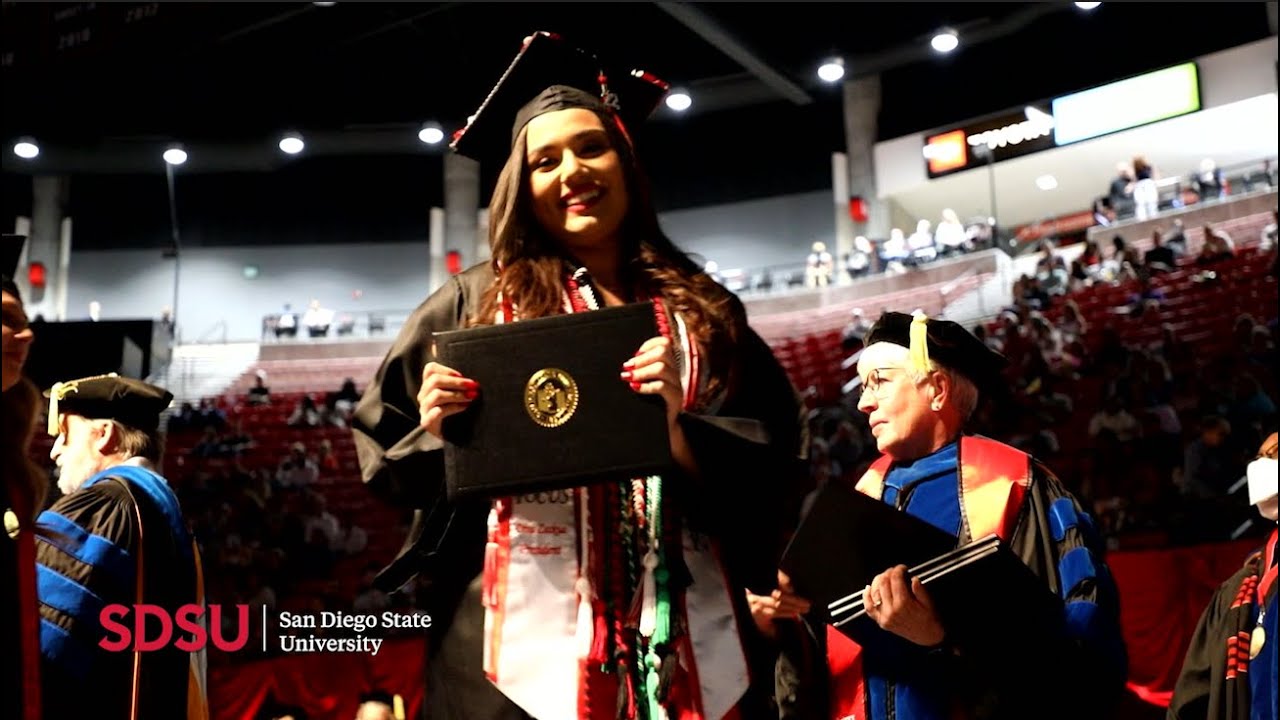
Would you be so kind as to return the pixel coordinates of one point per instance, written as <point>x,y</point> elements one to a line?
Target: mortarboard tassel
<point>919,347</point>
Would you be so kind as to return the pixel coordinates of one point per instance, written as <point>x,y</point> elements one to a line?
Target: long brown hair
<point>27,481</point>
<point>531,267</point>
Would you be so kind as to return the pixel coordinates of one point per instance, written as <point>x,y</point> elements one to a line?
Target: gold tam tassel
<point>919,348</point>
<point>56,393</point>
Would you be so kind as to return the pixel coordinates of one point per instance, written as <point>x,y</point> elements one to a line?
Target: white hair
<point>963,394</point>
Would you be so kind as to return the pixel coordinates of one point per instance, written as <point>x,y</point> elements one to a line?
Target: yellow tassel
<point>398,710</point>
<point>919,348</point>
<point>55,394</point>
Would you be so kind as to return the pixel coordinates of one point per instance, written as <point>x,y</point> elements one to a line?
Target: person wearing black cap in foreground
<point>921,381</point>
<point>116,536</point>
<point>551,635</point>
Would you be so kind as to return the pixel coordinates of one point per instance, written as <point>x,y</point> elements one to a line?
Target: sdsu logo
<point>132,636</point>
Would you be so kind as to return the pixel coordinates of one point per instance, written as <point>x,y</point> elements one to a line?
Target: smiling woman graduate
<point>643,615</point>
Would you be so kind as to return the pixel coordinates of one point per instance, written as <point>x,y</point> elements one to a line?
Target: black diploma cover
<point>553,411</point>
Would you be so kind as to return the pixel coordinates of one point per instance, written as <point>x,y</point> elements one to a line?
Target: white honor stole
<point>538,623</point>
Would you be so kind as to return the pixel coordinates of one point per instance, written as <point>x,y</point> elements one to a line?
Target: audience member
<point>851,336</point>
<point>950,235</point>
<point>297,469</point>
<point>1209,467</point>
<point>920,243</point>
<point>1160,258</point>
<point>317,319</point>
<point>818,266</point>
<point>1146,194</point>
<point>1209,183</point>
<point>305,414</point>
<point>1267,239</point>
<point>260,394</point>
<point>287,323</point>
<point>1218,245</point>
<point>1120,194</point>
<point>1176,240</point>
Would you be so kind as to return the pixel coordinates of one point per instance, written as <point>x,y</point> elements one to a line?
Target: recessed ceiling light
<point>431,133</point>
<point>831,70</point>
<point>679,100</point>
<point>945,41</point>
<point>26,148</point>
<point>175,155</point>
<point>1088,5</point>
<point>292,143</point>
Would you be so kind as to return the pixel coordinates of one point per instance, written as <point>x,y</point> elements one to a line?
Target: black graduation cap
<point>948,344</point>
<point>549,74</point>
<point>132,402</point>
<point>10,252</point>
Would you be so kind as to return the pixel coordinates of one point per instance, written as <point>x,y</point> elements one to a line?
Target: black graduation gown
<point>88,681</point>
<point>18,620</point>
<point>747,453</point>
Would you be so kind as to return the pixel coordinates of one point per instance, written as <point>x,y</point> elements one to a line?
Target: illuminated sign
<point>1127,104</point>
<point>946,152</point>
<point>1005,136</point>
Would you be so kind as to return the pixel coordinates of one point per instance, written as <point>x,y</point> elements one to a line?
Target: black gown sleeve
<point>747,453</point>
<point>398,459</point>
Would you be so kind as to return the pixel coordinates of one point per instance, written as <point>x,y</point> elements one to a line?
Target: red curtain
<point>1162,593</point>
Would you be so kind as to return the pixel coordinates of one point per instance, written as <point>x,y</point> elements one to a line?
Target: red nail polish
<point>628,364</point>
<point>470,394</point>
<point>626,374</point>
<point>470,384</point>
<point>635,386</point>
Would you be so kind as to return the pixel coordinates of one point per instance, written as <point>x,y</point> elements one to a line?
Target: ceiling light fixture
<point>175,155</point>
<point>292,143</point>
<point>831,70</point>
<point>26,148</point>
<point>679,100</point>
<point>945,41</point>
<point>1088,5</point>
<point>431,133</point>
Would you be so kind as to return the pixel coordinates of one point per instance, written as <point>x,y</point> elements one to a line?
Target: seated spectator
<point>297,469</point>
<point>210,415</point>
<point>260,394</point>
<point>325,457</point>
<point>950,235</point>
<point>305,414</point>
<point>1176,239</point>
<point>921,244</point>
<point>894,251</point>
<point>859,261</point>
<point>1218,245</point>
<point>1209,183</point>
<point>818,266</point>
<point>287,323</point>
<point>1160,258</point>
<point>1145,297</point>
<point>317,319</point>
<point>1267,240</point>
<point>851,336</point>
<point>1072,325</point>
<point>210,445</point>
<point>184,419</point>
<point>342,403</point>
<point>1114,420</point>
<point>346,324</point>
<point>1209,467</point>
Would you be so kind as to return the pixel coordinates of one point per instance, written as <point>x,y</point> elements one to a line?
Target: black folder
<point>552,411</point>
<point>986,596</point>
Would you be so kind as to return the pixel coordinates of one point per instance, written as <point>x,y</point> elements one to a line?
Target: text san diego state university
<point>360,643</point>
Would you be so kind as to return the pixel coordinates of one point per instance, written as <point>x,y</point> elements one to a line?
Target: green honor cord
<point>662,627</point>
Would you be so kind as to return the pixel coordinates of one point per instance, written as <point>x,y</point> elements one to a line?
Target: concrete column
<point>435,240</point>
<point>844,223</point>
<point>50,243</point>
<point>461,200</point>
<point>861,108</point>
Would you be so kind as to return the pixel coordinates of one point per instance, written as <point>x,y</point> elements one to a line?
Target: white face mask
<point>1262,486</point>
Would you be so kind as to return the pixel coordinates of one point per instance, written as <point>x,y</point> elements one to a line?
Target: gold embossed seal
<point>550,397</point>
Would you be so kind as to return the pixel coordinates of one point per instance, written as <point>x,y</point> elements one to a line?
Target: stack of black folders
<point>553,411</point>
<point>985,595</point>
